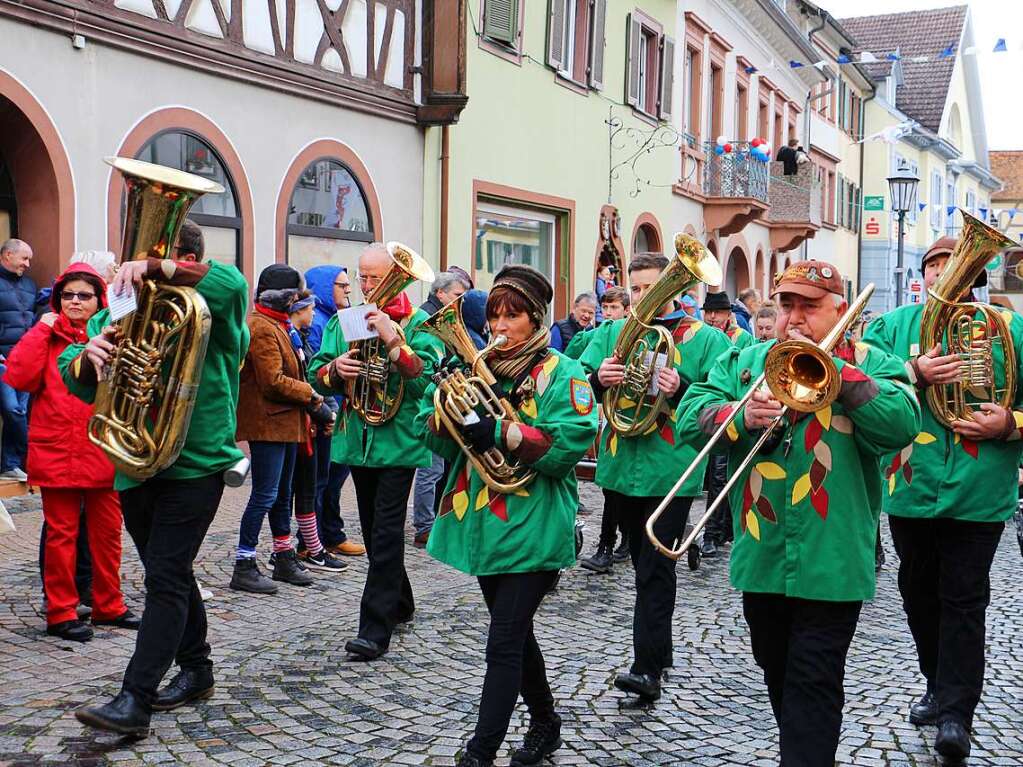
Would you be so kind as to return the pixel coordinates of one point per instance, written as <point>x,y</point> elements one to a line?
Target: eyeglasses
<point>369,279</point>
<point>345,285</point>
<point>71,295</point>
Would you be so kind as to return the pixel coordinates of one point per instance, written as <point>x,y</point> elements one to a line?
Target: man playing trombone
<point>805,509</point>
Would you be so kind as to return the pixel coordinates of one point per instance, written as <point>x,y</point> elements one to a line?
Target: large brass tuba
<point>624,404</point>
<point>465,389</point>
<point>970,329</point>
<point>369,393</point>
<point>144,402</point>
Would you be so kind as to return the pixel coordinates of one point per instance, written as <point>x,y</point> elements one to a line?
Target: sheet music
<point>121,305</point>
<point>662,360</point>
<point>353,323</point>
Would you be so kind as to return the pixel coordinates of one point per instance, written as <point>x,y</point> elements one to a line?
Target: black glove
<point>321,414</point>
<point>480,435</point>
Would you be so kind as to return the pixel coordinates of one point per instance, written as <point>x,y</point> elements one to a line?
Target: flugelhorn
<point>970,338</point>
<point>370,393</point>
<point>624,404</point>
<point>467,387</point>
<point>144,402</point>
<point>803,377</point>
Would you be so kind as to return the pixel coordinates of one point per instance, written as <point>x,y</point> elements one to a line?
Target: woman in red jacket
<point>72,472</point>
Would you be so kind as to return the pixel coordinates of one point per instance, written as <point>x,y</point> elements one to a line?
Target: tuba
<point>369,393</point>
<point>144,402</point>
<point>624,402</point>
<point>971,338</point>
<point>467,388</point>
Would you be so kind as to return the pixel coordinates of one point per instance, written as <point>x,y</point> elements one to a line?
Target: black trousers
<point>719,528</point>
<point>514,661</point>
<point>610,523</point>
<point>944,579</point>
<point>801,645</point>
<point>655,578</point>
<point>168,519</point>
<point>382,495</point>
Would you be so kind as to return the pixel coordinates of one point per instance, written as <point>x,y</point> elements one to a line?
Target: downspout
<point>445,179</point>
<point>823,16</point>
<point>863,151</point>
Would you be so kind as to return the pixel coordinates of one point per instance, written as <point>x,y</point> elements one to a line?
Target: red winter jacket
<point>59,451</point>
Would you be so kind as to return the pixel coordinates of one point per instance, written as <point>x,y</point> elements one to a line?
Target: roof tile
<point>1008,166</point>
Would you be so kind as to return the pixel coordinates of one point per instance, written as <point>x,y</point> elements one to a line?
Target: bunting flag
<point>867,58</point>
<point>950,209</point>
<point>843,59</point>
<point>1000,46</point>
<point>949,51</point>
<point>893,57</point>
<point>922,206</point>
<point>751,70</point>
<point>983,213</point>
<point>795,64</point>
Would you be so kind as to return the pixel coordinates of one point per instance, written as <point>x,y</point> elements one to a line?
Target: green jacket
<point>484,533</point>
<point>395,443</point>
<point>806,510</point>
<point>941,474</point>
<point>648,465</point>
<point>209,445</point>
<point>740,338</point>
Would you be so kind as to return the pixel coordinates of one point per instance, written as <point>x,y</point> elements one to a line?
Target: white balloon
<point>722,140</point>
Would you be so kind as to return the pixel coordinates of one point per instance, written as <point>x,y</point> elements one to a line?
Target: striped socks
<point>310,536</point>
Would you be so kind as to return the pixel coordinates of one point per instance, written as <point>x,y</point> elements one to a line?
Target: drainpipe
<point>823,16</point>
<point>445,179</point>
<point>859,232</point>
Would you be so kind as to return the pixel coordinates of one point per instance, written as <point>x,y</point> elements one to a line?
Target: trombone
<point>799,374</point>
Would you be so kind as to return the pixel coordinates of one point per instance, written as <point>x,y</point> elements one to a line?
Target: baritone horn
<point>464,388</point>
<point>144,402</point>
<point>971,338</point>
<point>372,396</point>
<point>624,404</point>
<point>799,374</point>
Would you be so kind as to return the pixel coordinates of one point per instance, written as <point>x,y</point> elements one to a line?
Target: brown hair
<point>505,299</point>
<point>621,295</point>
<point>648,261</point>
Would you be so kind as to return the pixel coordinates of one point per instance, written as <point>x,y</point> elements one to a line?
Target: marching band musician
<point>516,543</point>
<point>631,470</point>
<point>383,458</point>
<point>168,515</point>
<point>948,496</point>
<point>806,509</point>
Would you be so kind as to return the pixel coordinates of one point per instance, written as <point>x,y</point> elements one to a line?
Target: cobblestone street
<point>286,694</point>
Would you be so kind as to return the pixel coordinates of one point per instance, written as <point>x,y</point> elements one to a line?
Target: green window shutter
<point>501,21</point>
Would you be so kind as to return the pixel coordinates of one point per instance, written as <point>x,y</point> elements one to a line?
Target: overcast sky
<point>1001,74</point>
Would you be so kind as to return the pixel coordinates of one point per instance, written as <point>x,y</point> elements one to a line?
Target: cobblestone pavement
<point>286,695</point>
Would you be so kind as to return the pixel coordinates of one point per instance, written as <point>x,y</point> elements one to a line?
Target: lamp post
<point>902,187</point>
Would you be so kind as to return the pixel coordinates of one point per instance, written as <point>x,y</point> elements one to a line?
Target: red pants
<point>62,508</point>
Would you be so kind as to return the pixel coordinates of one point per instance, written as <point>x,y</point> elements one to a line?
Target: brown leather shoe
<point>347,549</point>
<point>421,539</point>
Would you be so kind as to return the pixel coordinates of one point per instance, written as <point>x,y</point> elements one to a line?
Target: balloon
<point>719,150</point>
<point>728,147</point>
<point>722,141</point>
<point>756,142</point>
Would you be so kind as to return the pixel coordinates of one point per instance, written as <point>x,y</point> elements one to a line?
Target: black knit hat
<point>279,277</point>
<point>716,301</point>
<point>531,285</point>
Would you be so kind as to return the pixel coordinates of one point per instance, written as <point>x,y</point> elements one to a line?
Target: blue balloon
<point>718,149</point>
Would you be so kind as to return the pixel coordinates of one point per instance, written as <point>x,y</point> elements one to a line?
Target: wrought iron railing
<point>734,174</point>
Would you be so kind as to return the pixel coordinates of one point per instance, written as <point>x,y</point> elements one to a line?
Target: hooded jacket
<point>17,304</point>
<point>59,451</point>
<point>742,315</point>
<point>320,280</point>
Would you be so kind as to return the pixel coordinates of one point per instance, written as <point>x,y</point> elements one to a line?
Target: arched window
<point>329,219</point>
<point>8,208</point>
<point>217,214</point>
<point>647,240</point>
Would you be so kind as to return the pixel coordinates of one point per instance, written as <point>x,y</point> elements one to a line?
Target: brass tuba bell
<point>970,329</point>
<point>144,402</point>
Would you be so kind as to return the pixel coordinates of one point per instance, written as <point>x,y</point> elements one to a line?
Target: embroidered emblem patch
<point>582,396</point>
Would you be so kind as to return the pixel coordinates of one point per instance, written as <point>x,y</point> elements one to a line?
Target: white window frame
<point>643,90</point>
<point>937,208</point>
<point>483,208</point>
<point>568,38</point>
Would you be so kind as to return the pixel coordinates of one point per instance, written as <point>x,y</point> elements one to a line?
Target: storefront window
<point>507,235</point>
<point>216,214</point>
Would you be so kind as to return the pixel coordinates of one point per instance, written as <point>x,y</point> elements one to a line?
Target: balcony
<point>795,206</point>
<point>735,187</point>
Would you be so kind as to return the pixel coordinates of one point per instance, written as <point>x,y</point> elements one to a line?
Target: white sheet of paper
<point>353,323</point>
<point>121,306</point>
<point>6,523</point>
<point>662,360</point>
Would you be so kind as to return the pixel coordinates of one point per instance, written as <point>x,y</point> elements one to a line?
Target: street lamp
<point>902,187</point>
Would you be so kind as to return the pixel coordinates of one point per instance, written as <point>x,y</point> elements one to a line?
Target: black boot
<point>953,740</point>
<point>188,684</point>
<point>542,739</point>
<point>472,761</point>
<point>126,620</point>
<point>125,715</point>
<point>622,552</point>
<point>708,547</point>
<point>646,686</point>
<point>247,577</point>
<point>288,569</point>
<point>601,561</point>
<point>73,631</point>
<point>925,710</point>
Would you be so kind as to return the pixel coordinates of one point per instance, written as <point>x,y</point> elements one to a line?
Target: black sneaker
<point>622,552</point>
<point>287,568</point>
<point>542,739</point>
<point>472,761</point>
<point>324,562</point>
<point>601,561</point>
<point>247,577</point>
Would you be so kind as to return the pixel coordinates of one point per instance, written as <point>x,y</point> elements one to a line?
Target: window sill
<point>645,116</point>
<point>501,50</point>
<point>573,85</point>
<point>829,226</point>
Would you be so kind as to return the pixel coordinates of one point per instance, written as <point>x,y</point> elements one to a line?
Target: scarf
<point>399,308</point>
<point>513,362</point>
<point>281,317</point>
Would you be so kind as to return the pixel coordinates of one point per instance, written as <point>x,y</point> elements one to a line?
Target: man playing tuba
<point>805,510</point>
<point>948,495</point>
<point>383,456</point>
<point>632,469</point>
